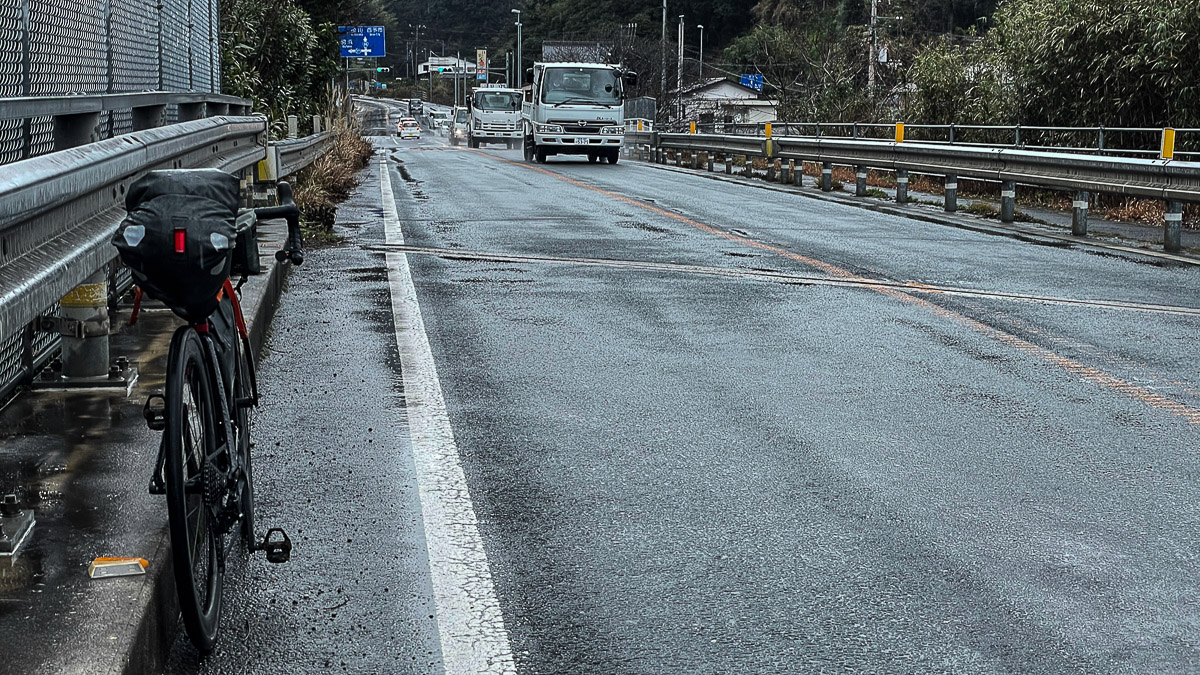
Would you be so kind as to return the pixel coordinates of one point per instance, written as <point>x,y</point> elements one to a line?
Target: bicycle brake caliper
<point>278,551</point>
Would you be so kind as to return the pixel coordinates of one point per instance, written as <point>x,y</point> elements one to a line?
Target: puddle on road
<point>643,226</point>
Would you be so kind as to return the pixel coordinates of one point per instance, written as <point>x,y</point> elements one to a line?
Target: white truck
<point>495,116</point>
<point>576,109</point>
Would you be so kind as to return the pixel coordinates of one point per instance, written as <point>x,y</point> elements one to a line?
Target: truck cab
<point>576,109</point>
<point>458,125</point>
<point>495,116</point>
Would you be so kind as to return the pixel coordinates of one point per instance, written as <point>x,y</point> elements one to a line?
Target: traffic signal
<point>383,70</point>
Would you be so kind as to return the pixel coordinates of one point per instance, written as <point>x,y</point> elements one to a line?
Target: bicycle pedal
<point>277,551</point>
<point>155,412</point>
<point>157,487</point>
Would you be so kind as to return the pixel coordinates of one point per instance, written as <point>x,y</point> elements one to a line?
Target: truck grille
<point>581,127</point>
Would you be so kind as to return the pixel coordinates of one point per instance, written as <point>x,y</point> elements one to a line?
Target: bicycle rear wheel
<point>246,397</point>
<point>191,446</point>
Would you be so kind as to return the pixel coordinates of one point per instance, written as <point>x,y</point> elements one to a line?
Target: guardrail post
<point>72,131</point>
<point>860,181</point>
<point>149,117</point>
<point>785,173</point>
<point>826,176</point>
<point>191,111</point>
<point>771,170</point>
<point>87,303</point>
<point>293,126</point>
<point>1173,226</point>
<point>695,160</point>
<point>1008,201</point>
<point>1079,216</point>
<point>901,186</point>
<point>679,158</point>
<point>748,166</point>
<point>316,121</point>
<point>709,156</point>
<point>728,163</point>
<point>951,193</point>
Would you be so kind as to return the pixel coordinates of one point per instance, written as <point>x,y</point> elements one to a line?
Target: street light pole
<point>680,74</point>
<point>701,27</point>
<point>520,63</point>
<point>663,67</point>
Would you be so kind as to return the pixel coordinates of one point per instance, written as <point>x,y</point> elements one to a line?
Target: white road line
<point>470,624</point>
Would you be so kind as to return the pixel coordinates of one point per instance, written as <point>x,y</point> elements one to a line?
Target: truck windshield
<point>498,100</point>
<point>461,116</point>
<point>581,85</point>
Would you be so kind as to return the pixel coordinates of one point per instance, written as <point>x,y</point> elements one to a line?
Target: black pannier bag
<point>178,237</point>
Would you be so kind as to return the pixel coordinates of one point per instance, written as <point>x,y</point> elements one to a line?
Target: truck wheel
<point>528,149</point>
<point>473,143</point>
<point>540,153</point>
<point>593,157</point>
<point>613,156</point>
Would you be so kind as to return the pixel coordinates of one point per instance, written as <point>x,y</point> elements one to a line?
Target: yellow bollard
<point>1168,144</point>
<point>692,126</point>
<point>899,132</point>
<point>639,125</point>
<point>767,129</point>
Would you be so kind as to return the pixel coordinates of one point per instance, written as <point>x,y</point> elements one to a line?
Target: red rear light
<point>180,240</point>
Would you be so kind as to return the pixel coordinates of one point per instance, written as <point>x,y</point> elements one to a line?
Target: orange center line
<point>1080,370</point>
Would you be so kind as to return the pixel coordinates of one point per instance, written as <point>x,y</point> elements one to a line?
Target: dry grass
<point>329,181</point>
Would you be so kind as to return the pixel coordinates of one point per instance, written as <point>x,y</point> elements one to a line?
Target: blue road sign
<point>362,41</point>
<point>755,82</point>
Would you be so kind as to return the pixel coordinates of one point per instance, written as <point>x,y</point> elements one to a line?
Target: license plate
<point>581,141</point>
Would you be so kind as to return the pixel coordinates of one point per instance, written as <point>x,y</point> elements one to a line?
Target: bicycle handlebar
<point>294,248</point>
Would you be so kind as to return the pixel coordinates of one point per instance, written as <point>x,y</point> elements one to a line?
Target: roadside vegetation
<point>329,181</point>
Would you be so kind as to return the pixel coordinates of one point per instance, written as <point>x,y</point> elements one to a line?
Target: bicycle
<point>204,463</point>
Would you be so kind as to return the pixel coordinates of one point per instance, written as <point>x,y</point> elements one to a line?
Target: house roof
<point>716,81</point>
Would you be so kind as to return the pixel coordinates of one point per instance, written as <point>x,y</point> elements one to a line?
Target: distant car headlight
<point>614,129</point>
<point>548,128</point>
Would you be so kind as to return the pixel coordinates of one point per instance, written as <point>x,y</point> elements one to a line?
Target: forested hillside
<point>1062,62</point>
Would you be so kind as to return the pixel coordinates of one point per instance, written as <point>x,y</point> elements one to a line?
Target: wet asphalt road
<point>675,471</point>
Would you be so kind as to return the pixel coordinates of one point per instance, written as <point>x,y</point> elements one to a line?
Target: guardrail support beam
<point>728,164</point>
<point>695,160</point>
<point>191,111</point>
<point>826,177</point>
<point>149,117</point>
<point>316,123</point>
<point>748,166</point>
<point>1173,226</point>
<point>72,131</point>
<point>786,171</point>
<point>951,192</point>
<point>771,164</point>
<point>293,126</point>
<point>860,181</point>
<point>901,186</point>
<point>1079,213</point>
<point>709,156</point>
<point>1008,201</point>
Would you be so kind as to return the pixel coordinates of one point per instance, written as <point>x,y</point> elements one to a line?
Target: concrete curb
<point>1028,234</point>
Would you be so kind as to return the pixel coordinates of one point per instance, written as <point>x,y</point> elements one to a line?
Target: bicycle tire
<point>246,388</point>
<point>195,541</point>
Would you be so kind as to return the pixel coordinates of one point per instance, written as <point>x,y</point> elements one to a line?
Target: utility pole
<point>680,73</point>
<point>663,87</point>
<point>874,49</point>
<point>429,57</point>
<point>457,63</point>
<point>520,63</point>
<point>701,27</point>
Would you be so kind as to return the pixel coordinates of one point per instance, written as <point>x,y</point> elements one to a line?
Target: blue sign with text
<point>362,41</point>
<point>755,82</point>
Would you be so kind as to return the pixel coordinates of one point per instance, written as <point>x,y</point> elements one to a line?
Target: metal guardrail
<point>58,211</point>
<point>54,106</point>
<point>1171,180</point>
<point>288,157</point>
<point>1099,140</point>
